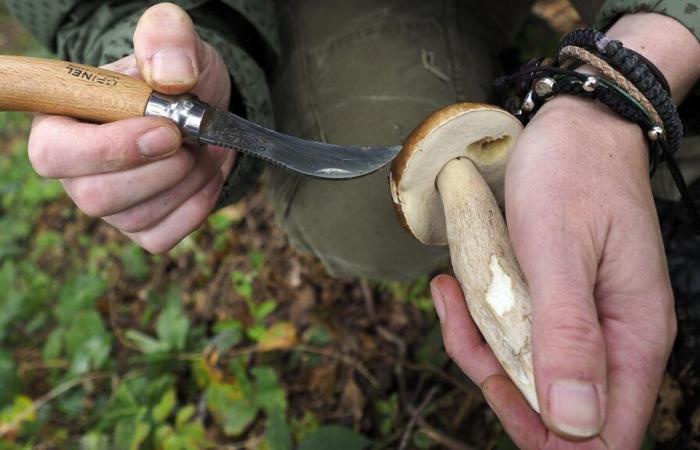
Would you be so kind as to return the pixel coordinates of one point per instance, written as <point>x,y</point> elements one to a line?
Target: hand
<point>584,228</point>
<point>583,225</point>
<point>136,174</point>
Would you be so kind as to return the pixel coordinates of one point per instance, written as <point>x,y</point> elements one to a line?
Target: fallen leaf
<point>353,399</point>
<point>322,380</point>
<point>280,336</point>
<point>695,422</point>
<point>665,424</point>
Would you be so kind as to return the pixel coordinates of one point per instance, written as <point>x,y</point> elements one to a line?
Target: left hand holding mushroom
<point>584,228</point>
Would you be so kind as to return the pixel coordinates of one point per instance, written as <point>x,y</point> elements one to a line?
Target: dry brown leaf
<point>303,303</point>
<point>280,336</point>
<point>559,14</point>
<point>353,399</point>
<point>664,423</point>
<point>695,422</point>
<point>322,380</point>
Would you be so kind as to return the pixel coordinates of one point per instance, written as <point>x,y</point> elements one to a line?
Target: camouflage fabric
<point>685,11</point>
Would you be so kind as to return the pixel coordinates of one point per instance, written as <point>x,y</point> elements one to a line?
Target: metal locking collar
<point>187,111</point>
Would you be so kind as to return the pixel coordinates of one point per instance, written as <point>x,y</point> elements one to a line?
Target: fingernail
<point>574,408</point>
<point>212,187</point>
<point>438,300</point>
<point>172,66</point>
<point>158,142</point>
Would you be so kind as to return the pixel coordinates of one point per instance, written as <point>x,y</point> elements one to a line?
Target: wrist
<point>665,42</point>
<point>597,129</point>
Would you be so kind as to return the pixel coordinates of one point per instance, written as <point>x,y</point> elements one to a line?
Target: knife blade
<point>315,159</point>
<point>205,124</point>
<point>99,95</point>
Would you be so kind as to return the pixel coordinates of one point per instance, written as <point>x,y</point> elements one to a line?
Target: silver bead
<point>544,87</point>
<point>528,103</point>
<point>590,84</point>
<point>655,133</point>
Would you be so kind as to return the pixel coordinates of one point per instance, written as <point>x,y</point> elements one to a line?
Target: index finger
<point>63,147</point>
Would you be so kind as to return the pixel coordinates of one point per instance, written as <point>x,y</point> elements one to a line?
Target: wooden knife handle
<point>58,87</point>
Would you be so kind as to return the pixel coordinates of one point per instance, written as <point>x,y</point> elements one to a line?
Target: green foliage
<point>416,293</point>
<point>333,437</point>
<point>134,262</point>
<point>388,411</point>
<point>236,404</point>
<point>172,328</point>
<point>10,384</point>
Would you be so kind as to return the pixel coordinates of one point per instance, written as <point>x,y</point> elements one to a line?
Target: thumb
<point>559,261</point>
<point>168,49</point>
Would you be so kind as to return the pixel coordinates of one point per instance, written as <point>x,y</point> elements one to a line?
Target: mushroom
<point>447,184</point>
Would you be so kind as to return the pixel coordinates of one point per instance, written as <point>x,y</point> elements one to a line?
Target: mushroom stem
<point>484,263</point>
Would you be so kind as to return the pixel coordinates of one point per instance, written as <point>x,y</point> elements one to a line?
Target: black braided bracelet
<point>638,70</point>
<point>541,79</point>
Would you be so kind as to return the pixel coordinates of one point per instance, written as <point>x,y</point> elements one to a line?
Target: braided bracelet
<point>637,69</point>
<point>630,85</point>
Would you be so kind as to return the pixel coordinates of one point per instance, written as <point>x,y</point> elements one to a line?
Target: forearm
<point>666,43</point>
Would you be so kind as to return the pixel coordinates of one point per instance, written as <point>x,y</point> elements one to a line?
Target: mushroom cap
<point>483,133</point>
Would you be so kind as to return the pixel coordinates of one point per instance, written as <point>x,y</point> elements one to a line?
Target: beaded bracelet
<point>630,85</point>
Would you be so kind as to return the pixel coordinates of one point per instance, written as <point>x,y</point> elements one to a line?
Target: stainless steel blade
<point>315,159</point>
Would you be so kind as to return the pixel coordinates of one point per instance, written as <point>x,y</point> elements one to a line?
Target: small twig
<point>250,443</point>
<point>39,365</point>
<point>472,392</point>
<point>254,349</point>
<point>369,300</point>
<point>356,364</point>
<point>158,274</point>
<point>118,331</point>
<point>415,415</point>
<point>394,339</point>
<point>41,401</point>
<point>441,438</point>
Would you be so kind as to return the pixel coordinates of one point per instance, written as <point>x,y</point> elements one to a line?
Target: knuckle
<point>450,350</point>
<point>165,14</point>
<point>661,344</point>
<point>89,197</point>
<point>571,327</point>
<point>156,245</point>
<point>39,154</point>
<point>660,334</point>
<point>133,220</point>
<point>182,163</point>
<point>111,150</point>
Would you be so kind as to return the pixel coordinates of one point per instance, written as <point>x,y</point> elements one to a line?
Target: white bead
<point>528,103</point>
<point>590,84</point>
<point>544,87</point>
<point>655,133</point>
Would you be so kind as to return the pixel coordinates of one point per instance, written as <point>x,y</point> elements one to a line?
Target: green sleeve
<point>100,32</point>
<point>686,12</point>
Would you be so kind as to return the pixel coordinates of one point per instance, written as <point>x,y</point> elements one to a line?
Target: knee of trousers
<point>351,227</point>
<point>367,73</point>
